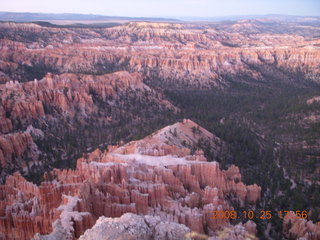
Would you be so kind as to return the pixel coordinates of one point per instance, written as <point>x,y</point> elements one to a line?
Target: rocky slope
<point>46,117</point>
<point>131,226</point>
<point>155,176</point>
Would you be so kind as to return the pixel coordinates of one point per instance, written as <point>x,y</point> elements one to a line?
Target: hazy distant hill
<point>29,17</point>
<point>70,18</point>
<point>277,17</point>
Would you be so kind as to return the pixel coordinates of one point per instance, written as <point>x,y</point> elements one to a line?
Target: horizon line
<point>164,17</point>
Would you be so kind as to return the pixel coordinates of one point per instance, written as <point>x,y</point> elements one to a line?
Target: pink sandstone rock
<point>126,179</point>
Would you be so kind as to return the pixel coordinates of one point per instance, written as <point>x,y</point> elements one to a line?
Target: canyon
<point>66,91</point>
<point>73,77</point>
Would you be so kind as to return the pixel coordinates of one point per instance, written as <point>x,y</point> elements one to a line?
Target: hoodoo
<point>157,176</point>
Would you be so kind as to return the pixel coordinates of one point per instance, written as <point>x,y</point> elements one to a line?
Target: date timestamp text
<point>263,214</point>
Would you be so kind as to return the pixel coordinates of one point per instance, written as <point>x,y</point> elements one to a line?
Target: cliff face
<point>63,94</point>
<point>14,148</point>
<point>170,55</point>
<point>148,177</point>
<point>60,108</point>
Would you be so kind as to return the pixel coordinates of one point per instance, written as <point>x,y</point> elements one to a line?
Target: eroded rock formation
<point>59,106</point>
<point>155,176</point>
<point>15,147</point>
<point>298,228</point>
<point>175,55</point>
<point>131,226</point>
<point>113,78</point>
<point>147,57</point>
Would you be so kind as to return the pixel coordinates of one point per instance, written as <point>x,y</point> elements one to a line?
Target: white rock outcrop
<point>131,227</point>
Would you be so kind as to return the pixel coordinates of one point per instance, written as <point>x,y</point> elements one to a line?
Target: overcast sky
<point>166,8</point>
